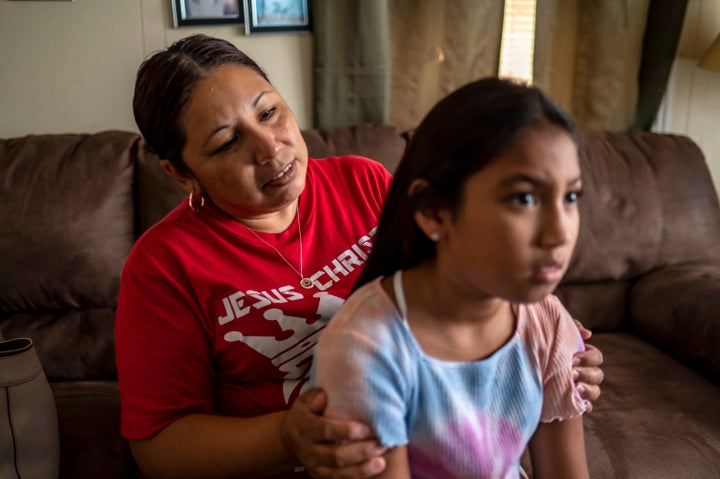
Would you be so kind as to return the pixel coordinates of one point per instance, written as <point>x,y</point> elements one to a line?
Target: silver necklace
<point>306,283</point>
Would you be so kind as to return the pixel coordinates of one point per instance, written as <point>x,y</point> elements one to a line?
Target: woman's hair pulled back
<point>165,82</point>
<point>459,136</point>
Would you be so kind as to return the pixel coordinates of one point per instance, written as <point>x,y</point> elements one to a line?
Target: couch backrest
<point>649,203</point>
<point>72,205</point>
<point>66,203</point>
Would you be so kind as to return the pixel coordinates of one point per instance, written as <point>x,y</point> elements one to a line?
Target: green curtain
<point>390,61</point>
<point>352,62</point>
<point>662,34</point>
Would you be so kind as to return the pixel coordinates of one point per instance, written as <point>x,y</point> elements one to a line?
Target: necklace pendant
<point>306,283</point>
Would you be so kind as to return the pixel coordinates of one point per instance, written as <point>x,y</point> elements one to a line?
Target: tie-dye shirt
<point>458,419</point>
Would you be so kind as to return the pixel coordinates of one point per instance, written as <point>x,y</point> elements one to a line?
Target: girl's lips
<point>548,274</point>
<point>283,178</point>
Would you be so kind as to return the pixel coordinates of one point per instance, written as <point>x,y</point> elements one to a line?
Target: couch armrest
<point>678,309</point>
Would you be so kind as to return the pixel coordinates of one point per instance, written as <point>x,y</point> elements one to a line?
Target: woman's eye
<point>227,145</point>
<point>267,114</point>
<point>524,199</point>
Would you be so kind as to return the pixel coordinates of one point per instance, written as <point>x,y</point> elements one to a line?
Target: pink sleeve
<point>555,340</point>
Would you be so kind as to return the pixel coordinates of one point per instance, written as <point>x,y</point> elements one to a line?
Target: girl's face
<point>516,228</point>
<point>243,146</point>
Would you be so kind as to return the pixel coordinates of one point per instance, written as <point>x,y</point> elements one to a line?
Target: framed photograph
<point>207,12</point>
<point>268,16</point>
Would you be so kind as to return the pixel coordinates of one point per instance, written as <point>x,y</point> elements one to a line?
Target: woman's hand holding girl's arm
<point>586,369</point>
<point>330,449</point>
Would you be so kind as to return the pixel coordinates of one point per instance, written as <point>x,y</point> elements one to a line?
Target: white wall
<point>69,66</point>
<point>693,96</point>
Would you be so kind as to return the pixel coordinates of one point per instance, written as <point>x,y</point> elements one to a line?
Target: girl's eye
<point>267,114</point>
<point>524,199</point>
<point>227,145</point>
<point>573,196</point>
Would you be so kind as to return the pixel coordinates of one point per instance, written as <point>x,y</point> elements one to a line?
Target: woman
<point>222,301</point>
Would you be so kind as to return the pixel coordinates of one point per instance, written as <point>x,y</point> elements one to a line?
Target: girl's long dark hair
<point>458,137</point>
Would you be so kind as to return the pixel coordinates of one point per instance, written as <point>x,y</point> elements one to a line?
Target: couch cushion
<point>71,343</point>
<point>655,419</point>
<point>66,204</point>
<point>598,306</point>
<point>68,224</point>
<point>157,192</point>
<point>378,142</point>
<point>621,220</point>
<point>89,424</point>
<point>677,309</point>
<point>649,202</point>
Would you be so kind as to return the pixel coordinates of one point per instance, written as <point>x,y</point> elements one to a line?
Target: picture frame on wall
<point>207,12</point>
<point>270,16</point>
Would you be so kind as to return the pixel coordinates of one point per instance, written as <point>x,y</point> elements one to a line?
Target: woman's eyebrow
<point>222,127</point>
<point>257,98</point>
<point>212,133</point>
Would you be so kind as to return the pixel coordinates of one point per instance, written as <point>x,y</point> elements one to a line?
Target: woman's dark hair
<point>458,137</point>
<point>165,81</point>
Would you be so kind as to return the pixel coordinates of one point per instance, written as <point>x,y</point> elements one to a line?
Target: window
<point>518,40</point>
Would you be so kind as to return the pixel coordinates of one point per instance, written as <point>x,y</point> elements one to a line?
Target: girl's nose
<point>557,227</point>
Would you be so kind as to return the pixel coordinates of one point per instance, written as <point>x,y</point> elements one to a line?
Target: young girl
<point>452,346</point>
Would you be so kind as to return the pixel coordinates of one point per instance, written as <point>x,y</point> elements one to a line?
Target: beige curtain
<point>436,47</point>
<point>588,55</point>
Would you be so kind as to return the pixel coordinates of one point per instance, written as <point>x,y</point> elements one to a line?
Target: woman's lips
<point>285,176</point>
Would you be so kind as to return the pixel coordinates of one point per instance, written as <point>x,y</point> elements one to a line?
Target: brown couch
<point>645,278</point>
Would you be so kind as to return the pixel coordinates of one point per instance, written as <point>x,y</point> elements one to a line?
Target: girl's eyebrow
<point>525,178</point>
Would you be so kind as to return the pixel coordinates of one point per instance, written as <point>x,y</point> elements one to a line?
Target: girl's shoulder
<point>367,311</point>
<point>544,320</point>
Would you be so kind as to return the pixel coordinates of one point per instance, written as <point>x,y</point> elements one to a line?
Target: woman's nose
<point>265,146</point>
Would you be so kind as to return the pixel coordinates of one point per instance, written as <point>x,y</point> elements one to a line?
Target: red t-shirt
<point>211,320</point>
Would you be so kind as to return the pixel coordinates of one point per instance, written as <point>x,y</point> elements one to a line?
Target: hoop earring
<point>196,207</point>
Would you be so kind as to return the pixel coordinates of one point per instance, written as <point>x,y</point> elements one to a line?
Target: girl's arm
<point>397,466</point>
<point>557,450</point>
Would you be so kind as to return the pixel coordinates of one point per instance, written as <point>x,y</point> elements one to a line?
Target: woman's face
<point>516,229</point>
<point>243,146</point>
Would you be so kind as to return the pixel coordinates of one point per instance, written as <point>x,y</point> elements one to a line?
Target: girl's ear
<point>428,214</point>
<point>186,179</point>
